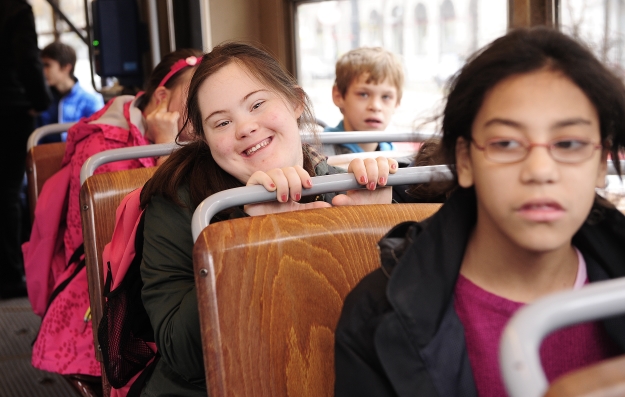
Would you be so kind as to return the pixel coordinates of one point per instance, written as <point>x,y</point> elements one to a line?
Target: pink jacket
<point>65,341</point>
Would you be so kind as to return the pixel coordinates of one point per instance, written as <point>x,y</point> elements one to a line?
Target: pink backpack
<point>125,333</point>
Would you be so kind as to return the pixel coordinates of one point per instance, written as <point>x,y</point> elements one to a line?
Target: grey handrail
<point>46,130</point>
<point>519,356</point>
<point>321,184</point>
<point>127,153</point>
<point>332,138</point>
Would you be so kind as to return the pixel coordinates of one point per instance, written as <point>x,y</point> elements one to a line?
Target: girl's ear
<point>160,94</point>
<point>603,169</point>
<point>464,168</point>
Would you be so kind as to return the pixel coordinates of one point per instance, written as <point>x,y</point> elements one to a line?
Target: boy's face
<point>53,71</point>
<point>367,106</point>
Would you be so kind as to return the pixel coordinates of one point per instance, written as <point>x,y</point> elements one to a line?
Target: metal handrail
<point>519,352</point>
<point>333,138</point>
<point>127,153</point>
<point>46,130</point>
<point>321,184</point>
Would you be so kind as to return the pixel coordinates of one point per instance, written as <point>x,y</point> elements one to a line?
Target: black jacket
<point>399,334</point>
<point>21,72</point>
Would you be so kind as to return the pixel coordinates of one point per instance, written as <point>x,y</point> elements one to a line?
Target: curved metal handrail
<point>127,153</point>
<point>332,138</point>
<point>519,352</point>
<point>46,130</point>
<point>321,184</point>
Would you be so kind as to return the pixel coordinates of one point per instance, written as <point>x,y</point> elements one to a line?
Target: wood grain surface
<point>271,289</point>
<point>42,162</point>
<point>100,196</point>
<point>605,379</point>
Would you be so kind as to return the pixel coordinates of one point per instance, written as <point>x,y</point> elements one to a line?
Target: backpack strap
<point>75,258</point>
<point>139,383</point>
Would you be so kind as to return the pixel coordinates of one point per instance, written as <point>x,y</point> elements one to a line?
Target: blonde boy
<point>367,90</point>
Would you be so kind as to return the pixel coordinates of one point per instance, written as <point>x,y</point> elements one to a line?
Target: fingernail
<point>394,166</point>
<point>371,186</point>
<point>309,182</point>
<point>382,181</point>
<point>362,179</point>
<point>284,198</point>
<point>272,185</point>
<point>297,197</point>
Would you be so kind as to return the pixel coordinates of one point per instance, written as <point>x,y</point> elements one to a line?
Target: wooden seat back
<point>604,379</point>
<point>100,196</point>
<point>271,289</point>
<point>42,162</point>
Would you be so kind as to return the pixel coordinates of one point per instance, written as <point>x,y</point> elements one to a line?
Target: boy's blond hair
<point>377,62</point>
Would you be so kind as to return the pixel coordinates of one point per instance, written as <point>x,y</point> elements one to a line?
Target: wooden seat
<point>604,379</point>
<point>42,162</point>
<point>271,289</point>
<point>100,196</point>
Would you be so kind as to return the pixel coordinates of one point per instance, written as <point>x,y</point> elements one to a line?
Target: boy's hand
<point>287,182</point>
<point>372,173</point>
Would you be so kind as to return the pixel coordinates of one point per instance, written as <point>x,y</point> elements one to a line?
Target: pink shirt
<point>484,316</point>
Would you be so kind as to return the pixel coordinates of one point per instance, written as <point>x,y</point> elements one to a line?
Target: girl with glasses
<point>529,123</point>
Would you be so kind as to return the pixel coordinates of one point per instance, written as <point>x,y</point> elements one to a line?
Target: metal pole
<point>171,26</point>
<point>155,44</point>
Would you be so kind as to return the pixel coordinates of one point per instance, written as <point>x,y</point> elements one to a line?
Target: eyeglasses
<point>178,65</point>
<point>562,150</point>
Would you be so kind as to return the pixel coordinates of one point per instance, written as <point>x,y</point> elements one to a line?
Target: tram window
<point>44,23</point>
<point>433,38</point>
<point>601,25</point>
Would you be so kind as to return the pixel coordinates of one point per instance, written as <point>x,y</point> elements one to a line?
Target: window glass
<point>432,37</point>
<point>75,11</point>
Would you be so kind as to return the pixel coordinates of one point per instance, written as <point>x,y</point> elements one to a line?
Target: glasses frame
<point>529,146</point>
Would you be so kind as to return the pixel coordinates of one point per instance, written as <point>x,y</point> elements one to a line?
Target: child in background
<point>528,126</point>
<point>367,90</point>
<point>70,101</point>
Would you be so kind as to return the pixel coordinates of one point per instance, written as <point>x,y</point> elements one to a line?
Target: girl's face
<point>538,203</point>
<point>247,125</point>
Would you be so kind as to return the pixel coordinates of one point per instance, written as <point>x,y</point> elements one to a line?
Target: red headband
<point>180,64</point>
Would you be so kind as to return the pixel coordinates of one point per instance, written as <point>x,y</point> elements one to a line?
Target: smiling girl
<point>529,123</point>
<point>246,114</point>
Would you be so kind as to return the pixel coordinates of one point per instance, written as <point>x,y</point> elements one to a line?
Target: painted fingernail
<point>309,182</point>
<point>382,181</point>
<point>394,166</point>
<point>272,185</point>
<point>297,197</point>
<point>363,179</point>
<point>284,198</point>
<point>371,186</point>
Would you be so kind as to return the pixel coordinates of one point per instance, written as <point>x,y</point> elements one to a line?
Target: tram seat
<point>100,196</point>
<point>271,289</point>
<point>605,379</point>
<point>42,162</point>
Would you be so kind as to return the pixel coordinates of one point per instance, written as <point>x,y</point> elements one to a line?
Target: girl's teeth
<point>255,148</point>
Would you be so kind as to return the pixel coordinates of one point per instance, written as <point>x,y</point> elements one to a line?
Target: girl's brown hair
<point>193,163</point>
<point>161,70</point>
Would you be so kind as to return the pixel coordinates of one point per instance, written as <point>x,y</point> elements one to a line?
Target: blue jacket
<point>353,147</point>
<point>77,104</point>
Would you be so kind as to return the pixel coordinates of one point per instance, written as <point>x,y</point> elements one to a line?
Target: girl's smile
<point>248,126</point>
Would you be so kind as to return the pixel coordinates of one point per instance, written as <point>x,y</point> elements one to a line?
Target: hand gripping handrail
<point>321,184</point>
<point>46,130</point>
<point>127,153</point>
<point>519,356</point>
<point>371,136</point>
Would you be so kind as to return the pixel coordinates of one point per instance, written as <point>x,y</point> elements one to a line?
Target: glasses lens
<point>505,150</point>
<point>571,150</point>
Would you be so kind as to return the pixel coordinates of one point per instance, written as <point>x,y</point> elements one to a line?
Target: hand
<point>372,173</point>
<point>287,182</point>
<point>162,125</point>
